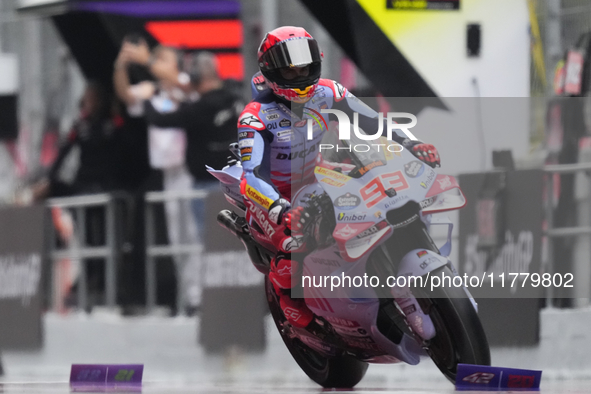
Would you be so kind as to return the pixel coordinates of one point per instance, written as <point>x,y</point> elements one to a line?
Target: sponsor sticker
<point>347,201</point>
<point>246,143</point>
<point>270,109</point>
<point>272,117</point>
<point>257,197</point>
<point>368,235</point>
<point>346,232</point>
<point>363,343</point>
<point>351,217</point>
<point>332,182</point>
<point>332,174</point>
<point>421,253</point>
<point>414,169</point>
<point>370,231</point>
<point>351,332</point>
<point>427,203</point>
<point>406,222</point>
<point>285,123</point>
<point>395,201</point>
<point>261,219</point>
<point>245,134</point>
<point>428,261</point>
<point>246,158</point>
<point>284,133</point>
<point>244,151</point>
<point>445,183</point>
<point>338,321</point>
<point>430,179</point>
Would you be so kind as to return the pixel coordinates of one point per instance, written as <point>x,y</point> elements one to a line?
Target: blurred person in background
<point>209,123</point>
<point>92,134</point>
<point>93,142</point>
<point>167,145</point>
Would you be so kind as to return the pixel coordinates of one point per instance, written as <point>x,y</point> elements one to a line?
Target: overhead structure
<point>372,51</point>
<point>94,29</point>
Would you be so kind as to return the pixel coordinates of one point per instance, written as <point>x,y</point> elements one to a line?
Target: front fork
<point>419,321</point>
<point>400,253</point>
<point>412,242</point>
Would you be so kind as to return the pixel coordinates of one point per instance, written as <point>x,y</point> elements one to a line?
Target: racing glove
<point>427,153</point>
<point>280,213</point>
<point>278,210</point>
<point>295,219</point>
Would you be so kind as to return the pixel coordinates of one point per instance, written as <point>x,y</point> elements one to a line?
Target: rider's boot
<point>296,311</point>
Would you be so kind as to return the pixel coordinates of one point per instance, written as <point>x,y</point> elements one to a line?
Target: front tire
<point>460,337</point>
<point>329,372</point>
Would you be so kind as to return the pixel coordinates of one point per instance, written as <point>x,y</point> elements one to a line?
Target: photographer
<point>210,123</point>
<point>167,145</point>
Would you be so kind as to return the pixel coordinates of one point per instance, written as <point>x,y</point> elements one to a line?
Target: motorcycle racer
<point>277,155</point>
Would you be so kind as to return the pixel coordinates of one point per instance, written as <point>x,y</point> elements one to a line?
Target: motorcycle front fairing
<point>362,196</point>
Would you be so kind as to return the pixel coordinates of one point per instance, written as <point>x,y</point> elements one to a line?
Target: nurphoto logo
<point>345,130</point>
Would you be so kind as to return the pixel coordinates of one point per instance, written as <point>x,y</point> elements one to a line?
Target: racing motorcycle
<point>370,216</point>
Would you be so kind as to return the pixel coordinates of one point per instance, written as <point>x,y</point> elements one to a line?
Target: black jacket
<point>210,124</point>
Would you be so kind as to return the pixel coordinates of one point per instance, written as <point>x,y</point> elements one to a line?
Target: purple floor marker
<point>106,377</point>
<point>480,377</point>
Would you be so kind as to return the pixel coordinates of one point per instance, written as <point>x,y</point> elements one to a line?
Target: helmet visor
<point>296,52</point>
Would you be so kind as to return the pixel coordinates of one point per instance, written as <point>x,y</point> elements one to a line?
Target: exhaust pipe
<point>231,222</point>
<point>237,226</point>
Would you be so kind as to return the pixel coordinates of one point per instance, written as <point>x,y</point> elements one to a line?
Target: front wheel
<point>329,372</point>
<point>459,336</point>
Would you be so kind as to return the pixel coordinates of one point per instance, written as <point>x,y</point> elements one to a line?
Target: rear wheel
<point>460,337</point>
<point>329,372</point>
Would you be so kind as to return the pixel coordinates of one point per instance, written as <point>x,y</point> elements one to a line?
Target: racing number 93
<point>375,190</point>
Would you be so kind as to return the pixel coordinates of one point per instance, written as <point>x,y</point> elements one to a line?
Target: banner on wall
<point>509,314</point>
<point>21,277</point>
<point>231,283</point>
<point>423,4</point>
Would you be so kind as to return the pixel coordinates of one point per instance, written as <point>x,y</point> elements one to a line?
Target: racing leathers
<point>279,157</point>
